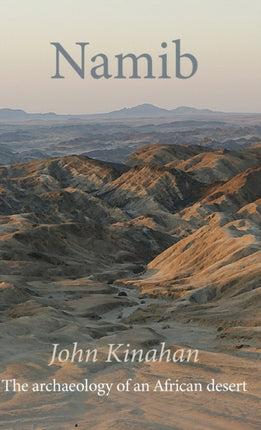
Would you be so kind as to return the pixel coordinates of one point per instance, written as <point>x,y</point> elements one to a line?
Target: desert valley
<point>140,228</point>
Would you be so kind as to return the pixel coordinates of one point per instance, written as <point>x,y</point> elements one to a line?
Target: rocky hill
<point>163,248</point>
<point>74,214</point>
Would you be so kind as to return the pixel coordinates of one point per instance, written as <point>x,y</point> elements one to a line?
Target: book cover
<point>130,214</point>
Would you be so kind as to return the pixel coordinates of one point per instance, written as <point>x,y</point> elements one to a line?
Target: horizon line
<point>128,108</point>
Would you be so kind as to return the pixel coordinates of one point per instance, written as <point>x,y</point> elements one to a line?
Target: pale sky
<point>224,36</point>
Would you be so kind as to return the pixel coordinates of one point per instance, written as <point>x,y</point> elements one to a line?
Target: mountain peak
<point>144,109</point>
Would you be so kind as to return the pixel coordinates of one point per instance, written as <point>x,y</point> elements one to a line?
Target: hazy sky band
<point>224,36</point>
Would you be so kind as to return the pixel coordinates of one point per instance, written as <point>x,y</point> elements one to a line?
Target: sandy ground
<point>94,315</point>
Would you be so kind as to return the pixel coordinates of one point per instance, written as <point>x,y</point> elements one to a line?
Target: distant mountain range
<point>140,111</point>
<point>149,110</point>
<point>21,115</point>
